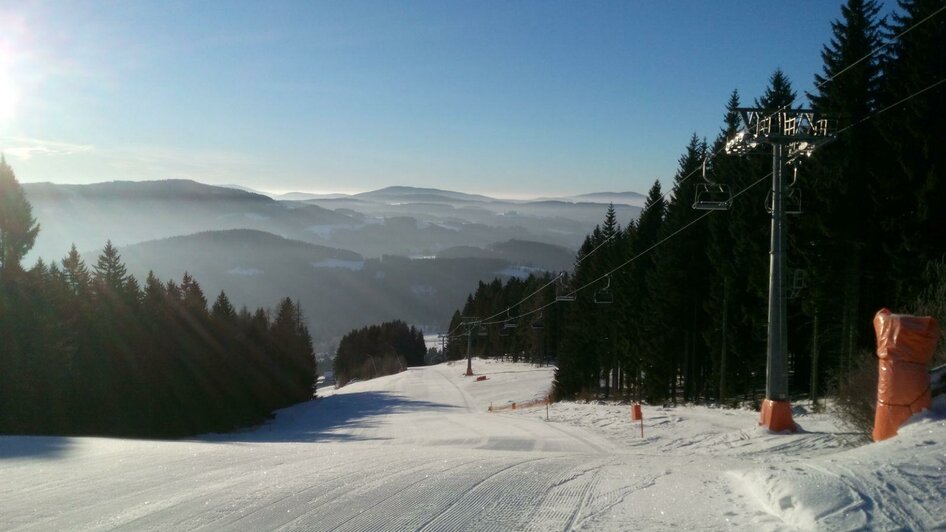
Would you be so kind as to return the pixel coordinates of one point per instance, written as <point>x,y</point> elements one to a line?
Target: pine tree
<point>839,225</point>
<point>915,135</point>
<point>678,284</point>
<point>721,333</point>
<point>18,228</point>
<point>222,308</point>
<point>642,322</point>
<point>75,273</point>
<point>109,274</point>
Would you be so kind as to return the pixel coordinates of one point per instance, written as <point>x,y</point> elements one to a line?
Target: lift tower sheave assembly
<point>794,134</point>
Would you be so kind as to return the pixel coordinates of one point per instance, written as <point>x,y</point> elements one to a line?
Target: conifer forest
<point>672,306</point>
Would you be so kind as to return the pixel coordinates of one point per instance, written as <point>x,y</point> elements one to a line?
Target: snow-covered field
<point>419,450</point>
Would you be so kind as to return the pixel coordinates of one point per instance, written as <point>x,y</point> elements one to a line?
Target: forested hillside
<point>89,350</point>
<point>689,287</point>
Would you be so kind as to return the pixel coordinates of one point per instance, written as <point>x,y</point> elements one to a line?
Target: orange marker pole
<point>638,415</point>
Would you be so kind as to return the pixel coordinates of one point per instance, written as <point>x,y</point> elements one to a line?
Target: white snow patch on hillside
<point>353,265</point>
<point>423,290</point>
<point>520,272</point>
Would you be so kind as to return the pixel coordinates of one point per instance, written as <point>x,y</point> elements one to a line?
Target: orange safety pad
<point>777,416</point>
<point>905,346</point>
<point>636,414</point>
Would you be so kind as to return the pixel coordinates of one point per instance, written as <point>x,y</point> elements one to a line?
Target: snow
<point>418,450</point>
<point>520,272</point>
<point>353,265</point>
<point>423,290</point>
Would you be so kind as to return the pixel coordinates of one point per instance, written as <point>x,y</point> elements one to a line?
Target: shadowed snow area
<point>418,450</point>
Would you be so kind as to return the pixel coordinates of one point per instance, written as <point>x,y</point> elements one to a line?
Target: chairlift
<point>510,322</point>
<point>603,296</point>
<point>561,290</point>
<point>798,283</point>
<point>539,323</point>
<point>711,196</point>
<point>482,330</point>
<point>791,201</point>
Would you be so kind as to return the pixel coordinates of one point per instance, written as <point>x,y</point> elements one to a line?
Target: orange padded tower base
<point>777,416</point>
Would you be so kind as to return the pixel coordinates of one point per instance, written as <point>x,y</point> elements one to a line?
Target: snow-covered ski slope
<point>418,450</point>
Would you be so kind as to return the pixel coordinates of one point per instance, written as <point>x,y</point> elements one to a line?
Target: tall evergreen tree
<point>75,273</point>
<point>679,284</point>
<point>915,134</point>
<point>109,273</point>
<point>642,321</point>
<point>839,225</point>
<point>721,333</point>
<point>18,228</point>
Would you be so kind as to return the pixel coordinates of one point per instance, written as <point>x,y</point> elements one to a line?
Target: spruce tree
<point>839,227</point>
<point>18,228</point>
<point>642,321</point>
<point>721,333</point>
<point>678,284</point>
<point>915,133</point>
<point>109,274</point>
<point>75,273</point>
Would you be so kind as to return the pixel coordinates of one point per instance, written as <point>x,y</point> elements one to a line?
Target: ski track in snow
<point>418,451</point>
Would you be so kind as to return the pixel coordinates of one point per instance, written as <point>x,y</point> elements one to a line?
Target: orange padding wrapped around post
<point>905,346</point>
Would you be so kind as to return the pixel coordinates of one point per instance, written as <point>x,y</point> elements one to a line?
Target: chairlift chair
<point>539,323</point>
<point>482,330</point>
<point>603,296</point>
<point>509,324</point>
<point>561,294</point>
<point>798,283</point>
<point>792,201</point>
<point>711,196</point>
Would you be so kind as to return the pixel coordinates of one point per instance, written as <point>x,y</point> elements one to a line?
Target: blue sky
<point>513,99</point>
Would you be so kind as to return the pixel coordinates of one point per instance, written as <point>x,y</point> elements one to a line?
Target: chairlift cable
<point>871,116</point>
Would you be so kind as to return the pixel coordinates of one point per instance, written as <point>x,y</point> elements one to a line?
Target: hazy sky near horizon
<point>512,99</point>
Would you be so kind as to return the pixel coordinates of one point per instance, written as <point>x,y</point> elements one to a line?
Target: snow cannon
<point>905,346</point>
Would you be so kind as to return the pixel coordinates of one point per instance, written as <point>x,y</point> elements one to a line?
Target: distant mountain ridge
<point>338,290</point>
<point>400,220</point>
<point>344,256</point>
<point>178,189</point>
<point>128,212</point>
<point>617,198</point>
<point>405,193</point>
<point>401,193</point>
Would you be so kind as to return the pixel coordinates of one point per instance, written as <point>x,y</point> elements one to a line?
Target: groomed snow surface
<point>419,451</point>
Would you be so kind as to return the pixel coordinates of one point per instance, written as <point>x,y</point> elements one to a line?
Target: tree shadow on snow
<point>13,447</point>
<point>337,418</point>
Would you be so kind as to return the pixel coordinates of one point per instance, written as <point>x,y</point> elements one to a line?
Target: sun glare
<point>8,93</point>
<point>8,99</point>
